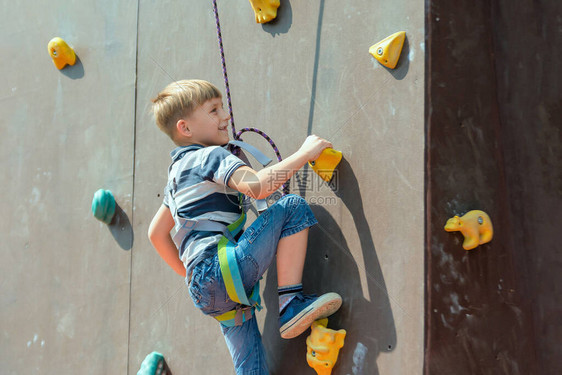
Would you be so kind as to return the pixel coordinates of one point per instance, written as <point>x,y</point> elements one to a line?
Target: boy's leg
<point>291,254</point>
<point>282,230</point>
<point>245,345</point>
<point>298,311</point>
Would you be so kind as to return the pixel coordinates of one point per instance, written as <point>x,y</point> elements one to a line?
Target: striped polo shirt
<point>200,191</point>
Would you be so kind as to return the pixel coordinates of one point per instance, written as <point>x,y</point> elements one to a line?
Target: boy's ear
<point>183,128</point>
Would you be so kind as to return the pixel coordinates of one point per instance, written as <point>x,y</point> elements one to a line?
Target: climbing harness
<point>233,280</point>
<point>227,261</point>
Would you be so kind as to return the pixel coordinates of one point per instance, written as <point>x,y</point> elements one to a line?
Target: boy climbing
<point>222,263</point>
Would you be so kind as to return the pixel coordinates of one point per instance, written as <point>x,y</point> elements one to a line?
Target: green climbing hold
<point>153,364</point>
<point>103,206</point>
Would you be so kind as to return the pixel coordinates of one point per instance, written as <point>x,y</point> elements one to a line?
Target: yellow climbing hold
<point>323,346</point>
<point>265,10</point>
<point>388,50</point>
<point>61,53</point>
<point>326,163</point>
<point>475,226</point>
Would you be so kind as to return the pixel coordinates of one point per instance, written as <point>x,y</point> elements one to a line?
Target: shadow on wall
<point>121,229</point>
<point>330,266</point>
<point>401,69</point>
<point>75,71</point>
<point>282,23</point>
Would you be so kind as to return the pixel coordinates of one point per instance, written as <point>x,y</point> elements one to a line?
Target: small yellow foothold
<point>323,346</point>
<point>475,226</point>
<point>326,163</point>
<point>61,53</point>
<point>388,50</point>
<point>265,10</point>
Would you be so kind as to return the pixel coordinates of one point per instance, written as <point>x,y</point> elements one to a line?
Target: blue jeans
<point>255,251</point>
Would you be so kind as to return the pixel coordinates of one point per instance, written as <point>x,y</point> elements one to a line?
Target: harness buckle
<point>243,314</point>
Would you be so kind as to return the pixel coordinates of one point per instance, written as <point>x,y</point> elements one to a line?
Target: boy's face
<point>208,124</point>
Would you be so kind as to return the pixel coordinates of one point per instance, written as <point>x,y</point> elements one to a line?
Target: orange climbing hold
<point>475,226</point>
<point>61,53</point>
<point>326,163</point>
<point>323,346</point>
<point>388,50</point>
<point>265,10</point>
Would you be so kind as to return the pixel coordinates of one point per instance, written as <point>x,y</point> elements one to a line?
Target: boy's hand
<point>313,147</point>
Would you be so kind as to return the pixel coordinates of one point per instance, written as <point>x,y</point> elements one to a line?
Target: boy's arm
<point>159,235</point>
<point>262,184</point>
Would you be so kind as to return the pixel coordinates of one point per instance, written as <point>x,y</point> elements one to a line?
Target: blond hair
<point>179,100</point>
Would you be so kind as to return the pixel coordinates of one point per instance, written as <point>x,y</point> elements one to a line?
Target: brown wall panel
<point>493,143</point>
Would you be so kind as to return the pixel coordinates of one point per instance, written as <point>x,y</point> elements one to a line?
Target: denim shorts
<point>255,251</point>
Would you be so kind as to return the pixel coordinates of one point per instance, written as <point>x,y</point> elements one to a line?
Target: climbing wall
<point>83,297</point>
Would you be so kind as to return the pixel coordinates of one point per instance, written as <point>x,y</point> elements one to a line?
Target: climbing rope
<point>235,135</point>
<point>225,75</point>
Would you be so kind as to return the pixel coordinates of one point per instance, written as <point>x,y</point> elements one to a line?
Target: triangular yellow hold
<point>388,50</point>
<point>326,163</point>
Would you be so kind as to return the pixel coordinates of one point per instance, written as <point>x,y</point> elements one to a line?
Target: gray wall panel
<point>65,284</point>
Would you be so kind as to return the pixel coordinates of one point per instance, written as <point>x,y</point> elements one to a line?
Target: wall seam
<point>133,183</point>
